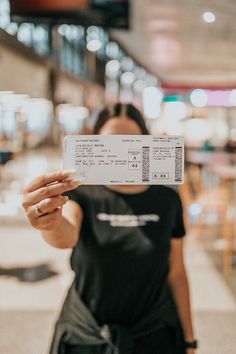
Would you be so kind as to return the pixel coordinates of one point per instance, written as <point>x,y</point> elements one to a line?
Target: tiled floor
<point>33,282</point>
<point>34,278</point>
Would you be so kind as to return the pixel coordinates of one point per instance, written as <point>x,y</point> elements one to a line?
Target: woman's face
<point>120,126</point>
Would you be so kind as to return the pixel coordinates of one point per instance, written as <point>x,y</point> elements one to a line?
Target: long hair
<point>120,110</point>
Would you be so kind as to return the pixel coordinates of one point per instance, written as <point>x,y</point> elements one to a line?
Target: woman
<point>130,292</point>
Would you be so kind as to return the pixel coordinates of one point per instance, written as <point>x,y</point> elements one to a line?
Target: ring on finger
<point>38,211</point>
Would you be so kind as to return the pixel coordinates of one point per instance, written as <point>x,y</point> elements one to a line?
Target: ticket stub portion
<point>125,159</point>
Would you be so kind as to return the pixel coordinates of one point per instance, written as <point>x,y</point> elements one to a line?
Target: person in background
<point>130,293</point>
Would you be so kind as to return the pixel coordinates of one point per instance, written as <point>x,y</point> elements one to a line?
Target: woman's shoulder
<point>166,191</point>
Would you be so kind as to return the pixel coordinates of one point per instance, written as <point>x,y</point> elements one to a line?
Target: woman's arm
<point>178,282</point>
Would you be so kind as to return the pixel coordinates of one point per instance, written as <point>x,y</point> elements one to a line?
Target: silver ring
<point>38,211</point>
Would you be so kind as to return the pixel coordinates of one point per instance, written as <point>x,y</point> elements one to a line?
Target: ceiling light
<point>112,68</point>
<point>62,29</point>
<point>127,78</point>
<point>209,17</point>
<point>112,50</point>
<point>94,45</point>
<point>139,72</point>
<point>199,98</point>
<point>139,85</point>
<point>151,80</point>
<point>93,30</point>
<point>127,64</point>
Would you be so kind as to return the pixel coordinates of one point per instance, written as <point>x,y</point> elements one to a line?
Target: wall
<point>21,73</point>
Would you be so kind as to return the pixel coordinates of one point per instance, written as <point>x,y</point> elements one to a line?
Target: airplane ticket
<point>124,159</point>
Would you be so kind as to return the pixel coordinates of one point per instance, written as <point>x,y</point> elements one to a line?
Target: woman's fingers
<point>48,191</point>
<point>48,221</point>
<point>42,199</point>
<point>44,180</point>
<point>45,206</point>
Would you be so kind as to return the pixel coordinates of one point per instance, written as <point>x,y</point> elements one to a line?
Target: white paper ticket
<point>125,159</point>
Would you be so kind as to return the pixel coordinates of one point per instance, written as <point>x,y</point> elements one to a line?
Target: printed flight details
<point>124,159</point>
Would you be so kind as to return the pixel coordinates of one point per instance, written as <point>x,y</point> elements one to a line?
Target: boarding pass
<point>124,159</point>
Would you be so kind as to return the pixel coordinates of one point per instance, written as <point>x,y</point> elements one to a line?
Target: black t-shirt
<point>122,257</point>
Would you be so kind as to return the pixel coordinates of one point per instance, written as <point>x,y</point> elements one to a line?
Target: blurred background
<point>61,61</point>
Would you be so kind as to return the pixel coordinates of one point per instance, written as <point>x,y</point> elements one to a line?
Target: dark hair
<point>119,109</point>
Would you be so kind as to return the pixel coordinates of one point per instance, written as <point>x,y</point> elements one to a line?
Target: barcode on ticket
<point>178,164</point>
<point>146,163</point>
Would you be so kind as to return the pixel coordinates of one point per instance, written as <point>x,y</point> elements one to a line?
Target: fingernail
<point>68,172</point>
<point>74,183</point>
<point>67,180</point>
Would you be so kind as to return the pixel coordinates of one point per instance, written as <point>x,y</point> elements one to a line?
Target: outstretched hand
<point>43,200</point>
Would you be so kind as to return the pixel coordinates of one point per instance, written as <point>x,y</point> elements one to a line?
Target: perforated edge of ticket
<point>124,159</point>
